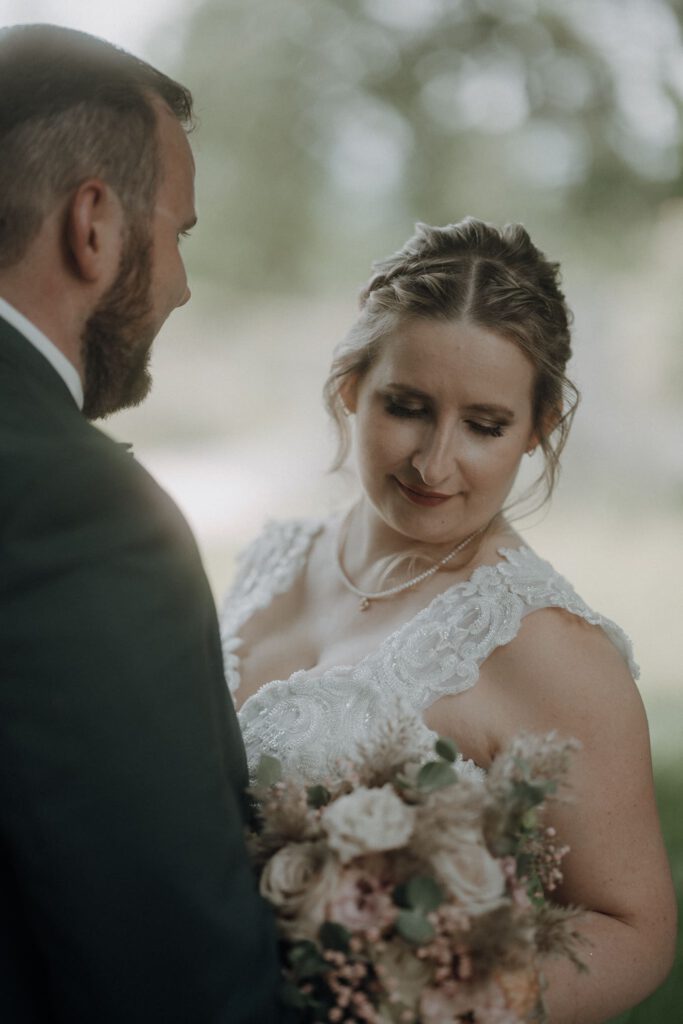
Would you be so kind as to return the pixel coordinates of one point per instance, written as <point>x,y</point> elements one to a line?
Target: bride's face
<point>442,419</point>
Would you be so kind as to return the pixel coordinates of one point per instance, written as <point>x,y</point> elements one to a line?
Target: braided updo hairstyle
<point>490,277</point>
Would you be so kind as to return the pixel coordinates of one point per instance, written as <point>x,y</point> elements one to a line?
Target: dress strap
<point>541,586</point>
<point>441,650</point>
<point>266,567</point>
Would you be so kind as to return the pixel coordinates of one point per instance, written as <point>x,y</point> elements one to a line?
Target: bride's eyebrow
<point>408,391</point>
<point>492,410</point>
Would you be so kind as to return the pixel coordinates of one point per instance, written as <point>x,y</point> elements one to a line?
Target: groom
<point>125,890</point>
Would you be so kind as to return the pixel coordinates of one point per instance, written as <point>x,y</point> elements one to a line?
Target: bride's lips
<point>420,497</point>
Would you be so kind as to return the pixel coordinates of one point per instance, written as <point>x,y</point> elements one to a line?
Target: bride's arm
<point>560,673</point>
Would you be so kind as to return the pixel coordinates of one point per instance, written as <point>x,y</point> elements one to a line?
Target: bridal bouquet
<point>415,893</point>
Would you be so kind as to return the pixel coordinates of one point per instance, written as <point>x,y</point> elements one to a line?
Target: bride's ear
<point>549,422</point>
<point>552,420</point>
<point>348,393</point>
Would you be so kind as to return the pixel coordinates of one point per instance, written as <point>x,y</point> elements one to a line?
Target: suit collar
<point>28,365</point>
<point>66,370</point>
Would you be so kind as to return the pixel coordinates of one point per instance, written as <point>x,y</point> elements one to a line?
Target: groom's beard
<point>118,335</point>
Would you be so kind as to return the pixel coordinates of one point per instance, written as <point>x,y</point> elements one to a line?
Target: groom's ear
<point>94,225</point>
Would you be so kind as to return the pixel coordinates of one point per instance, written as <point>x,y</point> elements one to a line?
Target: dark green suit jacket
<point>125,890</point>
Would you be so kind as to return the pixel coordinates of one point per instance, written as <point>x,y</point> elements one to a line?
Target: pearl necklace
<point>367,598</point>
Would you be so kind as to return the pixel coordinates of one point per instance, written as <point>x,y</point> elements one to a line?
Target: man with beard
<point>125,889</point>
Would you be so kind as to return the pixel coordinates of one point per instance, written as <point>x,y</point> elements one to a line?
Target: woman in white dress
<point>423,592</point>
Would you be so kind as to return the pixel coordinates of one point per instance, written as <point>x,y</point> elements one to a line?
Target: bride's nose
<point>435,458</point>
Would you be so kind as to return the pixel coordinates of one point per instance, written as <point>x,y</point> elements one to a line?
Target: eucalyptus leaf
<point>446,748</point>
<point>414,927</point>
<point>291,995</point>
<point>306,961</point>
<point>300,950</point>
<point>423,893</point>
<point>268,772</point>
<point>530,819</point>
<point>317,796</point>
<point>436,775</point>
<point>334,936</point>
<point>530,793</point>
<point>503,846</point>
<point>524,865</point>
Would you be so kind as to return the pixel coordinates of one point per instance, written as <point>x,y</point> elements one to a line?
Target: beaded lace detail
<point>313,721</point>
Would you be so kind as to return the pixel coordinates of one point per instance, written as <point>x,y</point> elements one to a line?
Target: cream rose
<point>407,975</point>
<point>366,821</point>
<point>472,876</point>
<point>300,880</point>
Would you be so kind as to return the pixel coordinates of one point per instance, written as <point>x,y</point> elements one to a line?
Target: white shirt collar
<point>66,370</point>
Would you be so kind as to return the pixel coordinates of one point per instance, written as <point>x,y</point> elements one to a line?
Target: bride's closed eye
<point>487,429</point>
<point>404,410</point>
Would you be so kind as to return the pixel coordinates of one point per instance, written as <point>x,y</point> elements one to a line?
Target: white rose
<point>299,880</point>
<point>472,876</point>
<point>366,821</point>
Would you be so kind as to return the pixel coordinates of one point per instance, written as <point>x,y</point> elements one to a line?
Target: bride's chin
<point>413,530</point>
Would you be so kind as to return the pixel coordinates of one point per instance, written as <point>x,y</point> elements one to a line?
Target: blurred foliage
<point>329,125</point>
<point>665,1006</point>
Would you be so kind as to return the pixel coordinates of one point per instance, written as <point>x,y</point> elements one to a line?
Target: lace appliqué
<point>547,589</point>
<point>268,566</point>
<point>315,722</point>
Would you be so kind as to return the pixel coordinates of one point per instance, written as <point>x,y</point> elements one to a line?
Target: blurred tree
<point>339,119</point>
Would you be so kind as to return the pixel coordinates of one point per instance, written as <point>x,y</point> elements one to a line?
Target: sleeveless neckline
<point>286,579</point>
<point>314,719</point>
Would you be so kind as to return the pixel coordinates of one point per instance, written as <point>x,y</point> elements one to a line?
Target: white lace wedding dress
<point>313,721</point>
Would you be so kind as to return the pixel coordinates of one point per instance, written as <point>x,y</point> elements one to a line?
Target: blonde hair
<point>491,277</point>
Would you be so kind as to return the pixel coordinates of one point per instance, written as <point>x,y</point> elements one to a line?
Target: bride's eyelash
<point>492,430</point>
<point>395,408</point>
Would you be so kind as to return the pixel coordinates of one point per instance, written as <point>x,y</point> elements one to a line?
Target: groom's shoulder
<point>77,476</point>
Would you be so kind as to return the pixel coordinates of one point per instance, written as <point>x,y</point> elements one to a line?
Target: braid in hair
<point>491,277</point>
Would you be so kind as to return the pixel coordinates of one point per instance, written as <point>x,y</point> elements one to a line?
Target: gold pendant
<point>365,604</point>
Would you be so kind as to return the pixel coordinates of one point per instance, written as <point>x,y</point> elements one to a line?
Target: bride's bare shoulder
<point>562,672</point>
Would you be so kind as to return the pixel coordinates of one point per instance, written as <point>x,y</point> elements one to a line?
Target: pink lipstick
<point>428,499</point>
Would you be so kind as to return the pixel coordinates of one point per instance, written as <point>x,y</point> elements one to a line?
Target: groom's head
<point>96,187</point>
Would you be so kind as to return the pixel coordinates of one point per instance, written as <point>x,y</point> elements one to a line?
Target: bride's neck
<point>369,540</point>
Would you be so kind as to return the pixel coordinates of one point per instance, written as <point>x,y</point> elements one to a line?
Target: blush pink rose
<point>361,902</point>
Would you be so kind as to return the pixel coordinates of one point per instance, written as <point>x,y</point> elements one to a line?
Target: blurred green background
<point>327,128</point>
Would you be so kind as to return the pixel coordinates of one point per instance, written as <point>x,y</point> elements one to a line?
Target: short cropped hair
<point>73,106</point>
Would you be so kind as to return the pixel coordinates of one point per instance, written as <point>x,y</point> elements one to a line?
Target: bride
<point>424,594</point>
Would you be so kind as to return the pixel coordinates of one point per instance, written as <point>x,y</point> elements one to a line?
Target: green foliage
<point>420,893</point>
<point>326,122</point>
<point>446,748</point>
<point>664,1005</point>
<point>414,927</point>
<point>305,960</point>
<point>334,936</point>
<point>268,772</point>
<point>436,775</point>
<point>318,796</point>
